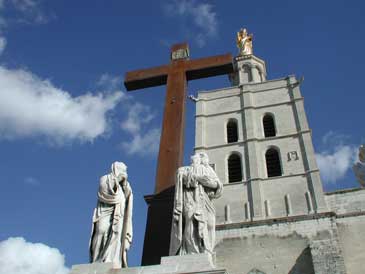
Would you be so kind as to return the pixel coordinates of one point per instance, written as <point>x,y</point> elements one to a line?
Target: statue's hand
<point>127,242</point>
<point>176,218</point>
<point>115,184</point>
<point>176,215</point>
<point>208,182</point>
<point>127,245</point>
<point>193,183</point>
<point>203,179</point>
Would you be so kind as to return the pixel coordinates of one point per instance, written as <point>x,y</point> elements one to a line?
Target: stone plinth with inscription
<point>196,263</point>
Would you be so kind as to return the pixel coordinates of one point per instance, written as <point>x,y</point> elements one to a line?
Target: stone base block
<point>195,263</point>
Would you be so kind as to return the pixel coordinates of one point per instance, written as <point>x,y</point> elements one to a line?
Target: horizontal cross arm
<point>145,78</point>
<point>210,66</point>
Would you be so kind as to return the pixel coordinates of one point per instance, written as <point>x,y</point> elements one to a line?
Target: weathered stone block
<point>195,263</point>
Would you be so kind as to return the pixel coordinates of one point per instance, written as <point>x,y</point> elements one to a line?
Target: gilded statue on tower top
<point>244,42</point>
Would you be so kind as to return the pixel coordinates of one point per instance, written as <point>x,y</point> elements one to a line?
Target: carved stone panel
<point>293,156</point>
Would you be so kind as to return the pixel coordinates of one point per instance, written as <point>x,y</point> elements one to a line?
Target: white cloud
<point>143,144</point>
<point>2,44</point>
<point>30,11</point>
<point>34,107</point>
<point>201,19</point>
<point>333,166</point>
<point>3,23</point>
<point>24,5</point>
<point>338,157</point>
<point>30,106</point>
<point>205,18</point>
<point>31,181</point>
<point>144,141</point>
<point>20,257</point>
<point>110,82</point>
<point>138,115</point>
<point>144,138</point>
<point>332,138</point>
<point>26,11</point>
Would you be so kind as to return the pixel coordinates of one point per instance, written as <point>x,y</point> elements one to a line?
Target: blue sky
<point>65,115</point>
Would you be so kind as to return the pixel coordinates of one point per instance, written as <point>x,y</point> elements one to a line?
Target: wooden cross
<point>176,74</point>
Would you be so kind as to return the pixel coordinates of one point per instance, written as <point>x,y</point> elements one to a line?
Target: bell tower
<point>258,140</point>
<point>269,168</point>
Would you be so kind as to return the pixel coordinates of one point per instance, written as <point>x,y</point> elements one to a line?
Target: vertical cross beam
<point>175,75</point>
<point>171,151</point>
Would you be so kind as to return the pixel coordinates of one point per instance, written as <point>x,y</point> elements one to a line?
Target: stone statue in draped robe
<point>111,234</point>
<point>359,167</point>
<point>193,228</point>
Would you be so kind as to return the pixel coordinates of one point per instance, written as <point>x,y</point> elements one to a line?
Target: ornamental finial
<point>244,42</point>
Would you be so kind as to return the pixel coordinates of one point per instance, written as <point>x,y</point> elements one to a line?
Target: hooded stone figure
<point>111,233</point>
<point>193,226</point>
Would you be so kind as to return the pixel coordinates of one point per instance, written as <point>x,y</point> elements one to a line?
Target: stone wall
<point>346,201</point>
<point>273,191</point>
<point>327,243</point>
<point>288,245</point>
<point>352,238</point>
<point>349,205</point>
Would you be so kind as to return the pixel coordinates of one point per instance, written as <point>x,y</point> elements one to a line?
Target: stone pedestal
<point>248,69</point>
<point>195,263</point>
<point>158,228</point>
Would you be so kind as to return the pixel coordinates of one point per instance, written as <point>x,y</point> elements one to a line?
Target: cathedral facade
<point>274,216</point>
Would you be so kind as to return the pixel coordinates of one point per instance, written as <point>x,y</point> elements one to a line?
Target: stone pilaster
<point>305,137</point>
<point>251,159</point>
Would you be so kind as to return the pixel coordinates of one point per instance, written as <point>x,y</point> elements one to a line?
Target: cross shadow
<point>303,264</point>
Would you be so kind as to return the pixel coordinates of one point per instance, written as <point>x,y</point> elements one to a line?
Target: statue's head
<point>119,170</point>
<point>242,33</point>
<point>195,159</point>
<point>204,158</point>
